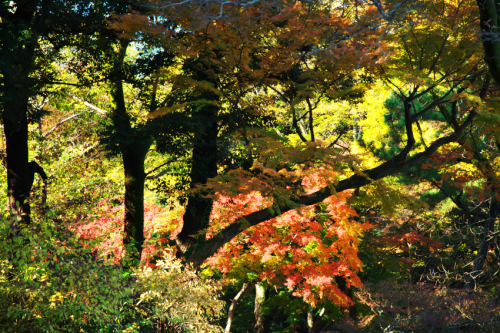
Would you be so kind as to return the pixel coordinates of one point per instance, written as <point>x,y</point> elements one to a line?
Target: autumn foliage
<point>267,166</point>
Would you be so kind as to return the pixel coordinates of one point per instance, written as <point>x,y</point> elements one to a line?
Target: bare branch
<point>311,123</point>
<point>92,106</point>
<point>59,124</point>
<point>336,140</point>
<point>34,167</point>
<point>230,314</point>
<point>296,125</point>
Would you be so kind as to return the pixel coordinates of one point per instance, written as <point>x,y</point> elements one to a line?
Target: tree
<point>395,164</point>
<point>32,34</point>
<point>301,125</point>
<point>283,53</point>
<point>488,15</point>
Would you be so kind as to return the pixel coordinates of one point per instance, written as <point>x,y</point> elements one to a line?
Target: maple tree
<point>392,166</point>
<point>311,148</point>
<point>284,75</point>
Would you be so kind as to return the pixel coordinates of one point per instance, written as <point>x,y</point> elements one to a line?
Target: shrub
<point>50,282</point>
<point>178,298</point>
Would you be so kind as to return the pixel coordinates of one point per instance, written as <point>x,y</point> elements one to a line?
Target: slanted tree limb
<point>148,174</point>
<point>334,142</point>
<point>295,123</point>
<point>46,134</point>
<point>390,167</point>
<point>92,106</point>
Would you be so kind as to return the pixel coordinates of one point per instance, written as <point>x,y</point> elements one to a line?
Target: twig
<point>173,159</point>
<point>59,124</point>
<point>93,107</point>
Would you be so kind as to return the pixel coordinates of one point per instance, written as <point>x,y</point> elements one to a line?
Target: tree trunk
<point>134,147</point>
<point>230,314</point>
<point>489,225</point>
<point>314,325</point>
<point>133,232</point>
<point>488,14</point>
<point>310,319</point>
<point>203,167</point>
<point>19,42</point>
<point>260,297</point>
<point>18,176</point>
<point>348,312</point>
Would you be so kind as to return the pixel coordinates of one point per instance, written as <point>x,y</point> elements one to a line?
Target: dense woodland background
<point>250,166</point>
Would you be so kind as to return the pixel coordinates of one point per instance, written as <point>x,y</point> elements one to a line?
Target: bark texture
<point>133,165</point>
<point>488,14</point>
<point>317,323</point>
<point>16,86</point>
<point>230,314</point>
<point>18,173</point>
<point>348,312</point>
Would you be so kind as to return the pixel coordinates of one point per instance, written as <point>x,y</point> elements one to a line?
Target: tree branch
<point>295,125</point>
<point>391,167</point>
<point>93,107</point>
<point>59,124</point>
<point>173,159</point>
<point>236,299</point>
<point>336,140</point>
<point>410,141</point>
<point>311,123</point>
<point>34,167</point>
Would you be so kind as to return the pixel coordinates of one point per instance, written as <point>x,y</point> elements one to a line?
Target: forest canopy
<point>249,166</point>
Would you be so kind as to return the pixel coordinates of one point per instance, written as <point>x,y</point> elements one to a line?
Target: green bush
<point>50,282</point>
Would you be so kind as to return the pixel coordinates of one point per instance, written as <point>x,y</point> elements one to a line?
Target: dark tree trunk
<point>134,147</point>
<point>17,64</point>
<point>203,167</point>
<point>348,312</point>
<point>489,17</point>
<point>133,165</point>
<point>18,174</point>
